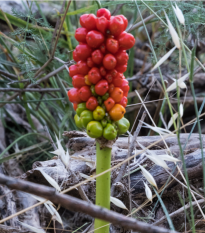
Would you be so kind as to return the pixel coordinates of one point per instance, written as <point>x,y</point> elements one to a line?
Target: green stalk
<point>103,182</point>
<point>191,81</point>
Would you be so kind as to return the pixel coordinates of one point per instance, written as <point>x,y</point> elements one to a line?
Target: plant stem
<point>103,183</point>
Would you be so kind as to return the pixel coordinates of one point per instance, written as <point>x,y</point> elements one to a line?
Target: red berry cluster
<point>101,60</point>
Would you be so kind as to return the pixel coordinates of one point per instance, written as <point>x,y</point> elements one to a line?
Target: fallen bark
<point>77,144</point>
<point>85,147</point>
<point>75,204</point>
<point>193,159</point>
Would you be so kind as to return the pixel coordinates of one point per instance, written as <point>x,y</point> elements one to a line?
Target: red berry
<point>92,103</point>
<point>116,25</point>
<point>123,101</point>
<point>125,87</point>
<point>125,21</point>
<point>82,19</point>
<point>82,67</point>
<point>114,73</point>
<point>73,95</point>
<point>111,88</point>
<point>80,34</point>
<point>84,93</point>
<point>90,62</point>
<point>73,70</point>
<point>78,81</point>
<point>83,51</point>
<point>94,39</point>
<point>109,103</point>
<point>94,75</point>
<point>75,56</point>
<point>121,68</point>
<point>88,21</point>
<point>109,62</point>
<point>112,45</point>
<point>121,57</point>
<point>102,24</point>
<point>126,40</point>
<point>97,56</point>
<point>102,71</point>
<point>101,87</point>
<point>118,80</point>
<point>103,12</point>
<point>109,78</point>
<point>102,48</point>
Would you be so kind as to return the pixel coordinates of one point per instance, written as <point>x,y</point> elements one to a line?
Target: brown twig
<point>80,189</point>
<point>139,24</point>
<point>118,7</point>
<point>10,99</point>
<point>75,204</point>
<point>8,74</point>
<point>187,206</point>
<point>57,25</point>
<point>35,84</point>
<point>40,90</point>
<point>58,35</point>
<point>45,78</point>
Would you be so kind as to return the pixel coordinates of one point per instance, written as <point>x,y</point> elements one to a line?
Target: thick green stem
<point>103,157</point>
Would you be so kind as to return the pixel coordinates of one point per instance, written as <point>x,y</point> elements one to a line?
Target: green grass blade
<point>196,110</point>
<point>18,139</point>
<point>165,211</point>
<point>22,151</point>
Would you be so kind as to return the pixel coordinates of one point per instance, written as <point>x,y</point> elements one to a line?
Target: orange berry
<point>117,94</point>
<point>117,112</point>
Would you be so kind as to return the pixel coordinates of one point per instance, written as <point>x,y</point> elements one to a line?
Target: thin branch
<point>8,74</point>
<point>118,7</point>
<point>45,78</point>
<point>139,24</point>
<point>187,206</point>
<point>56,41</point>
<point>183,184</point>
<point>8,79</point>
<point>35,84</point>
<point>19,81</point>
<point>10,99</point>
<point>80,189</point>
<point>78,205</point>
<point>32,89</point>
<point>57,25</point>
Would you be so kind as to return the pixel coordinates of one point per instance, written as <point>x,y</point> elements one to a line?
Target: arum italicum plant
<point>99,95</point>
